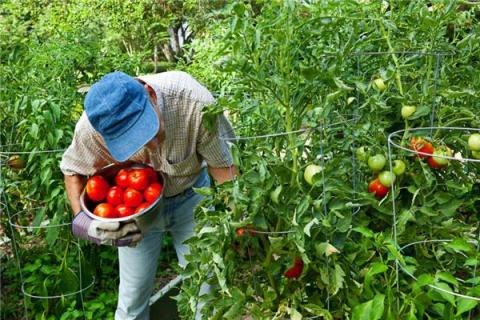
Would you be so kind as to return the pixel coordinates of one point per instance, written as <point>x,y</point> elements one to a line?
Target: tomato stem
<point>394,56</point>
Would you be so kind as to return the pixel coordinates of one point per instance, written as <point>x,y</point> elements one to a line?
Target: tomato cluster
<point>134,190</point>
<point>433,155</point>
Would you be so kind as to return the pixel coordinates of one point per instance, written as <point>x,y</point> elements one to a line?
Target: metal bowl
<point>145,218</point>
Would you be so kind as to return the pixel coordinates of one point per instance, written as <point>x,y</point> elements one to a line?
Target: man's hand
<point>109,233</point>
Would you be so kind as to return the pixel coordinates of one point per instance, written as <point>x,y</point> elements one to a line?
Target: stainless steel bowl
<point>145,218</point>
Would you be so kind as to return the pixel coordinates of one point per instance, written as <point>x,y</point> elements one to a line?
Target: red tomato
<point>152,192</point>
<point>377,188</point>
<point>97,188</point>
<point>105,210</point>
<point>115,196</point>
<point>152,174</point>
<point>248,229</point>
<point>138,179</point>
<point>142,207</point>
<point>124,211</point>
<point>421,145</point>
<point>296,270</point>
<point>240,232</point>
<point>121,179</point>
<point>132,197</point>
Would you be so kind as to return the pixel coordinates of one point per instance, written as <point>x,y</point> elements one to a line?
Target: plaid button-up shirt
<point>188,145</point>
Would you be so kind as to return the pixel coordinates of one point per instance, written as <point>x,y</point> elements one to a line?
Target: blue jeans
<point>138,264</point>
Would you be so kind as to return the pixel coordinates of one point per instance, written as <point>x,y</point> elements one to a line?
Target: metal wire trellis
<point>11,218</point>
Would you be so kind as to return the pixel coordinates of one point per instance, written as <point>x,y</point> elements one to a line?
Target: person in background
<point>154,120</point>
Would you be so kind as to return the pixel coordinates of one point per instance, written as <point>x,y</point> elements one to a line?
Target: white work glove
<point>119,234</point>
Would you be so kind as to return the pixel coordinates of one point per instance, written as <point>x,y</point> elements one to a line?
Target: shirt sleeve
<point>214,144</point>
<point>86,154</point>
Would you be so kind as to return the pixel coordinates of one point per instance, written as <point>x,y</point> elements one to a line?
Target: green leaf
<point>450,208</point>
<point>34,131</point>
<point>364,231</point>
<point>424,279</point>
<point>52,235</point>
<point>325,249</point>
<point>464,305</point>
<point>370,310</point>
<point>421,111</point>
<point>447,277</point>
<point>391,248</point>
<point>294,314</point>
<point>338,279</point>
<point>445,295</point>
<point>69,281</point>
<point>460,245</point>
<point>341,85</point>
<point>39,217</point>
<point>404,217</point>
<point>318,311</point>
<point>309,225</point>
<point>204,191</point>
<point>376,268</point>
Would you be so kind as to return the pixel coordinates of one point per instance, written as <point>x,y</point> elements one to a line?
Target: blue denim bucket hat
<point>119,108</point>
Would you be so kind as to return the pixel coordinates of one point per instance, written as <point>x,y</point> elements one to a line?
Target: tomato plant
<point>343,117</point>
<point>302,80</point>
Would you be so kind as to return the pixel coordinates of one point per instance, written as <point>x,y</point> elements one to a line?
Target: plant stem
<point>394,57</point>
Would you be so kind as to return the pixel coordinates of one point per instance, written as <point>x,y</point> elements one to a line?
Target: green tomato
<point>476,154</point>
<point>379,84</point>
<point>275,194</point>
<point>398,167</point>
<point>310,171</point>
<point>377,162</point>
<point>387,178</point>
<point>361,154</point>
<point>407,111</point>
<point>440,161</point>
<point>474,142</point>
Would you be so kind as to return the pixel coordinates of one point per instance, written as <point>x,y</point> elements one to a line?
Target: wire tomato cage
<point>30,228</point>
<point>462,157</point>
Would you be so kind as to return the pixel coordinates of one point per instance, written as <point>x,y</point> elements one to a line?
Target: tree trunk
<point>168,52</point>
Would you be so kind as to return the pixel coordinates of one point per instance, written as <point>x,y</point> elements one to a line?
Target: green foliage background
<point>275,66</point>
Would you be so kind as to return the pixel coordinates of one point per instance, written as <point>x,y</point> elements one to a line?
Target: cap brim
<point>132,140</point>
